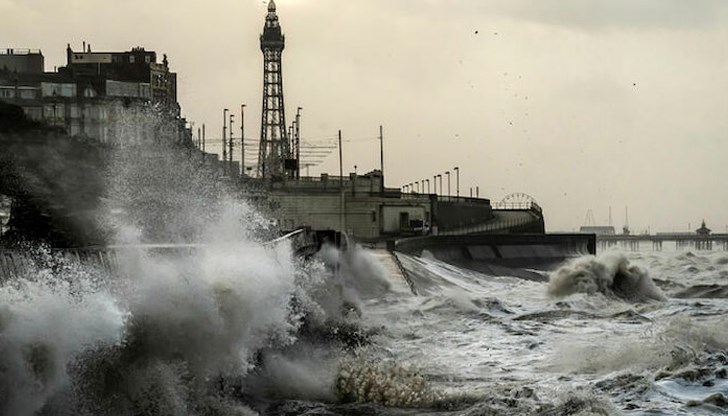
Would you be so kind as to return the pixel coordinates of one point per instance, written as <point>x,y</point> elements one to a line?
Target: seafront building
<point>362,207</point>
<point>99,95</point>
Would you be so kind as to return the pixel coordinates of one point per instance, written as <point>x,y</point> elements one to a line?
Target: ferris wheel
<point>518,198</point>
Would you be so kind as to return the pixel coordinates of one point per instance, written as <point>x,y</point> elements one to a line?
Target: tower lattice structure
<point>274,157</point>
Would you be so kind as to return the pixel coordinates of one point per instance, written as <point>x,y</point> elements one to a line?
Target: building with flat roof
<point>22,60</point>
<point>107,96</point>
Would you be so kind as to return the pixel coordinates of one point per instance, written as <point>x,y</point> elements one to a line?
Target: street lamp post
<point>434,184</point>
<point>224,139</point>
<point>448,183</point>
<point>298,143</point>
<point>230,142</point>
<point>457,181</point>
<point>440,177</point>
<point>428,185</point>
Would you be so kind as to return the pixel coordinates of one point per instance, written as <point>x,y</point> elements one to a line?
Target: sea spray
<point>611,275</point>
<point>47,322</point>
<point>367,380</point>
<point>197,326</point>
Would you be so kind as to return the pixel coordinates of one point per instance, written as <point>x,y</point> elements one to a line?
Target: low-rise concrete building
<point>362,207</point>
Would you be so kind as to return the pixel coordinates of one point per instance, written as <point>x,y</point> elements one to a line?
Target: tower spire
<point>274,157</point>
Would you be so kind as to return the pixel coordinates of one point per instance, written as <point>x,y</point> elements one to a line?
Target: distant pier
<point>680,240</point>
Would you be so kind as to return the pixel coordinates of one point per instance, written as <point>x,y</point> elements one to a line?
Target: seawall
<point>504,254</point>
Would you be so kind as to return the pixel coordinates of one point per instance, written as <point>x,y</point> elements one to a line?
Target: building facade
<point>354,204</point>
<point>360,206</point>
<point>107,96</point>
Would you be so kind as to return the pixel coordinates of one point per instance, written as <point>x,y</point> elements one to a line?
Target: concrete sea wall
<point>506,254</point>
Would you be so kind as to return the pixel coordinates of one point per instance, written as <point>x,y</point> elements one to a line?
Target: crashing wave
<point>611,275</point>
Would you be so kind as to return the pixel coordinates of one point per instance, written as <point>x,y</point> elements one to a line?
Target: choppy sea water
<point>622,333</point>
<point>241,329</point>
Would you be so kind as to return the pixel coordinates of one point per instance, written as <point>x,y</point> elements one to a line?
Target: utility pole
<point>242,140</point>
<point>230,142</point>
<point>224,143</point>
<point>381,156</point>
<point>298,143</point>
<point>341,186</point>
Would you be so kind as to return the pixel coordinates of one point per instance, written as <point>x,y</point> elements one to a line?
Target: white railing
<point>516,206</point>
<point>492,226</point>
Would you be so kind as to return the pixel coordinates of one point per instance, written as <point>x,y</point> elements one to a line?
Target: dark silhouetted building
<point>22,60</point>
<point>107,96</point>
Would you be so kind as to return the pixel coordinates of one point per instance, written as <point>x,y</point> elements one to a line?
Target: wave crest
<point>611,275</point>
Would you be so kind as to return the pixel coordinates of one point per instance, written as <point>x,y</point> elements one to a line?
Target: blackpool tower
<point>275,156</point>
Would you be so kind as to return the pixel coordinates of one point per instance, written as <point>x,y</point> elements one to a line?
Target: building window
<point>89,92</point>
<point>147,59</point>
<point>131,59</point>
<point>34,113</point>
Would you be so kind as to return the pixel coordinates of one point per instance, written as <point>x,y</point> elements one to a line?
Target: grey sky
<point>580,103</point>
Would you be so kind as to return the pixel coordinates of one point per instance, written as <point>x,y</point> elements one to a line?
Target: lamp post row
<point>228,139</point>
<point>417,185</point>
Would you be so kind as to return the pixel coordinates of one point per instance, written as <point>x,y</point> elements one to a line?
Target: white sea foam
<point>45,323</point>
<point>384,382</point>
<point>610,274</point>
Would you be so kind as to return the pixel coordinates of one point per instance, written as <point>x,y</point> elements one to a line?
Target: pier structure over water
<point>679,240</point>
